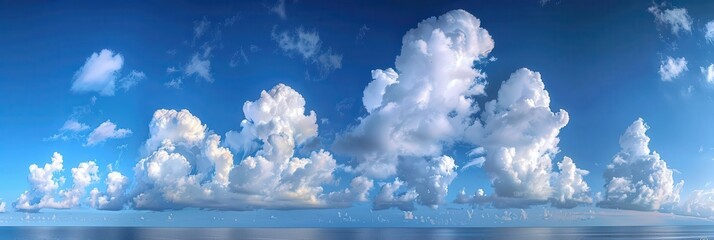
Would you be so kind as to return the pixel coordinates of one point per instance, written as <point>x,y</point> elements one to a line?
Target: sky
<point>350,114</point>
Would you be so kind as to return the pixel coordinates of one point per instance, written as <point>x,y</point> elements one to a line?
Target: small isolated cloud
<point>708,73</point>
<point>2,207</point>
<point>106,130</point>
<point>361,33</point>
<point>672,68</point>
<point>199,66</point>
<point>307,44</point>
<point>101,73</point>
<point>46,181</point>
<point>709,32</point>
<point>130,80</point>
<point>279,9</point>
<point>70,129</point>
<point>200,27</point>
<point>637,178</point>
<point>676,19</point>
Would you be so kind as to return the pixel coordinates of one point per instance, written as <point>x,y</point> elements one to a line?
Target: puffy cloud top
<point>419,107</point>
<point>638,179</point>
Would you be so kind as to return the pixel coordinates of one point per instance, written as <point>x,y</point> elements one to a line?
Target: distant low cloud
<point>307,44</point>
<point>637,178</point>
<point>45,185</point>
<point>676,19</point>
<point>700,203</point>
<point>106,130</point>
<point>101,74</point>
<point>708,73</point>
<point>672,68</point>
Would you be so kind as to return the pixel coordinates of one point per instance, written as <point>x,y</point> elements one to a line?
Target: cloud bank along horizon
<point>416,110</point>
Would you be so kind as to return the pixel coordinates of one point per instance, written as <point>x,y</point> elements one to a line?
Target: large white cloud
<point>672,68</point>
<point>638,179</point>
<point>106,130</point>
<point>185,164</point>
<point>101,73</point>
<point>275,125</point>
<point>677,19</point>
<point>519,137</point>
<point>46,192</point>
<point>418,108</point>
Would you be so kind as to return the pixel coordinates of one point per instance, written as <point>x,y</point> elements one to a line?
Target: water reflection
<point>110,233</point>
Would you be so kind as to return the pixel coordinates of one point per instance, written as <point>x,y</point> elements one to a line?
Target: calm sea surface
<point>111,233</point>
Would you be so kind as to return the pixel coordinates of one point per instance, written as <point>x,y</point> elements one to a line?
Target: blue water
<point>129,233</point>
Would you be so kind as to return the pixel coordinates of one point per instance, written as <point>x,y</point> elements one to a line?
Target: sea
<point>527,233</point>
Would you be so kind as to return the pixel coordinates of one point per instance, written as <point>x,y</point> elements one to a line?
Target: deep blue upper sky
<point>600,62</point>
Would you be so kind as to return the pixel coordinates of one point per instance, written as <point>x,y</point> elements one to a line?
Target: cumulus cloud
<point>677,19</point>
<point>45,189</point>
<point>700,203</point>
<point>637,178</point>
<point>113,198</point>
<point>518,139</point>
<point>418,108</point>
<point>672,68</point>
<point>186,165</point>
<point>106,130</point>
<point>2,207</point>
<point>308,45</point>
<point>708,73</point>
<point>101,73</point>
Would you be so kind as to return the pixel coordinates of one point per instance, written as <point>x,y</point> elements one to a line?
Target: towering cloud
<point>638,179</point>
<point>46,192</point>
<point>187,166</point>
<point>418,108</point>
<point>519,137</point>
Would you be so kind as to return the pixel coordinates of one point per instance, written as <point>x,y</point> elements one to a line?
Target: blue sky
<point>88,81</point>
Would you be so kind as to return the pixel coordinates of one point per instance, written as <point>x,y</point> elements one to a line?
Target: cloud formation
<point>308,45</point>
<point>638,179</point>
<point>186,165</point>
<point>106,130</point>
<point>418,108</point>
<point>517,141</point>
<point>700,203</point>
<point>45,189</point>
<point>708,73</point>
<point>101,74</point>
<point>709,32</point>
<point>676,19</point>
<point>672,68</point>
